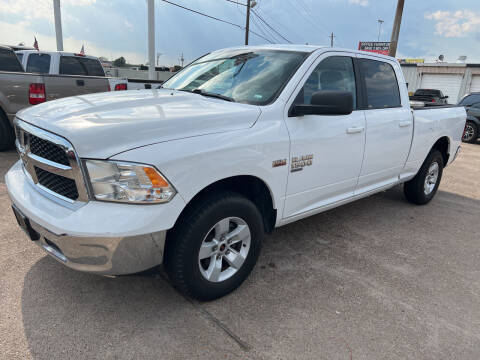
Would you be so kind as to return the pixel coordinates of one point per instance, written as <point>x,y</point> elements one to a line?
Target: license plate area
<point>24,223</point>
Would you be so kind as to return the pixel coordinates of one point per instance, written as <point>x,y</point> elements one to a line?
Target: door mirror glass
<point>326,102</point>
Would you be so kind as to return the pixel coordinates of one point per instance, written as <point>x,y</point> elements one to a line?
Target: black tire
<point>414,189</point>
<point>470,134</point>
<point>7,136</point>
<point>183,245</point>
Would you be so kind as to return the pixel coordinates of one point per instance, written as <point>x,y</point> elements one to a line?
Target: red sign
<point>375,47</point>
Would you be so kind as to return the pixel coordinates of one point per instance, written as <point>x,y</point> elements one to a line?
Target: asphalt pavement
<point>375,279</point>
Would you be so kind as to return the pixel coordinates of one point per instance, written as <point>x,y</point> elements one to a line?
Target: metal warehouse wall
<point>470,76</point>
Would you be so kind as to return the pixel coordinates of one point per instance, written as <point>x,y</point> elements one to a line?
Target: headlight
<point>128,182</point>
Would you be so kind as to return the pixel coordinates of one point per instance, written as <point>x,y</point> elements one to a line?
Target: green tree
<point>120,62</point>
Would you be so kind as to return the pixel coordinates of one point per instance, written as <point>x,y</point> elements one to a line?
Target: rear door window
<point>9,61</point>
<point>69,65</point>
<point>92,66</point>
<point>381,84</point>
<point>38,63</point>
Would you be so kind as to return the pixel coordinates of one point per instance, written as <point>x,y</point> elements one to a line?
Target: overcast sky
<point>112,28</point>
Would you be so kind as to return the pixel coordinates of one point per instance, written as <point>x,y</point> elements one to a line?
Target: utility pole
<point>396,28</point>
<point>380,22</point>
<point>58,24</point>
<point>250,4</point>
<point>331,39</point>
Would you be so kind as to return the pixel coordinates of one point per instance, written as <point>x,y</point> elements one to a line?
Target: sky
<point>114,28</point>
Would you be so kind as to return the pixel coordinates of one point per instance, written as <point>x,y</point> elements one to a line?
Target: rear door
<point>74,79</point>
<point>389,123</point>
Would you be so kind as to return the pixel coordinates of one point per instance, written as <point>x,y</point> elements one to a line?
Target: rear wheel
<point>7,137</point>
<point>423,187</point>
<point>214,247</point>
<point>470,133</point>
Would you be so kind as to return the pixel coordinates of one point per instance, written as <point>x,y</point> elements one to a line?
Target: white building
<point>455,80</point>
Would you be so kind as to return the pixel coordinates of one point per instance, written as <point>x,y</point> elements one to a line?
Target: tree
<point>120,62</point>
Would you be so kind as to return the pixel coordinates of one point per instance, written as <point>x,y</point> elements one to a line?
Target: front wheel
<point>214,247</point>
<point>423,187</point>
<point>470,133</point>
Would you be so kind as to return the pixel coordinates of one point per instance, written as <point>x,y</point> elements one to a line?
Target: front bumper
<point>99,237</point>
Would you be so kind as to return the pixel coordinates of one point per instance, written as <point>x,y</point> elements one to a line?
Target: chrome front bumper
<point>98,237</point>
<point>103,255</point>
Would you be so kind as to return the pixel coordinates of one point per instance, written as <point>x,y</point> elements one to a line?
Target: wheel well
<point>251,187</point>
<point>443,145</point>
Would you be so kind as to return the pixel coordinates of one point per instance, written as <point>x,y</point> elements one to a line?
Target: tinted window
<point>92,66</point>
<point>20,57</point>
<point>470,100</point>
<point>38,63</point>
<point>381,84</point>
<point>9,61</point>
<point>333,73</point>
<point>70,65</point>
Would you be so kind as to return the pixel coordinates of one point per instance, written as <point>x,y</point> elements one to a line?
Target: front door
<point>326,150</point>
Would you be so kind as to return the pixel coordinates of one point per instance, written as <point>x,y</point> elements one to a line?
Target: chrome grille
<point>58,184</point>
<point>47,150</point>
<point>51,163</point>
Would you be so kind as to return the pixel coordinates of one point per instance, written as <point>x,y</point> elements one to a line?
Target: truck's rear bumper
<point>101,238</point>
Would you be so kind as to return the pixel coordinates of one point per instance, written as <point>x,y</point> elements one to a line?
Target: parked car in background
<point>471,102</point>
<point>20,89</point>
<point>65,63</point>
<point>239,142</point>
<point>429,96</point>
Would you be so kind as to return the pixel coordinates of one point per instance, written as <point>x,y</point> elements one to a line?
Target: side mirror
<point>325,102</point>
<point>445,97</point>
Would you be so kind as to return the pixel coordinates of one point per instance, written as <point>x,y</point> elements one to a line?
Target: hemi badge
<point>277,163</point>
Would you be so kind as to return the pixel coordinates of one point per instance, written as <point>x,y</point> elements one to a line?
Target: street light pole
<point>396,28</point>
<point>380,22</point>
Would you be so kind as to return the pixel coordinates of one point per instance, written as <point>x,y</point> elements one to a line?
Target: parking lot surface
<point>375,279</point>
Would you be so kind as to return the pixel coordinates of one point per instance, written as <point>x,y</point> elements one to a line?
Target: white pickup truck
<point>241,141</point>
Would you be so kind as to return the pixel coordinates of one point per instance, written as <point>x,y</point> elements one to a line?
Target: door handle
<point>355,130</point>
<point>404,123</point>
<point>80,82</point>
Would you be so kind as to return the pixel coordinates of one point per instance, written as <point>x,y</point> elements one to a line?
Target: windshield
<point>427,92</point>
<point>252,77</point>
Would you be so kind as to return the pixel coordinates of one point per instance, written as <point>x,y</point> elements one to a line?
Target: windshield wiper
<point>214,95</point>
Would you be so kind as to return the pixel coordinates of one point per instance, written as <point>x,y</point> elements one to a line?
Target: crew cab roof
<point>302,48</point>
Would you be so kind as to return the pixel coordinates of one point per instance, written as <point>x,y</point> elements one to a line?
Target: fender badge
<point>299,162</point>
<point>277,163</point>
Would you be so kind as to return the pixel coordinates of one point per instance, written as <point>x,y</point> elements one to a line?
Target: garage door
<point>475,86</point>
<point>448,83</point>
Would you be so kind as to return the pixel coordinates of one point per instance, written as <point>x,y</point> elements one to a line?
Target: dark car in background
<point>471,102</point>
<point>428,96</point>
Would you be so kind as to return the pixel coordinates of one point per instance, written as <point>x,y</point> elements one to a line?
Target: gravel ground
<point>376,279</point>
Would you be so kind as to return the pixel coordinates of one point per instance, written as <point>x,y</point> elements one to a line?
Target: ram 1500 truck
<point>19,89</point>
<point>241,141</point>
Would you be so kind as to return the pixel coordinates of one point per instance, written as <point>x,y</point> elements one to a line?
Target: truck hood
<point>104,124</point>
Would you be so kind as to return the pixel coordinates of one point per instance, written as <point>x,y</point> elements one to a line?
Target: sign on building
<point>411,61</point>
<point>379,47</point>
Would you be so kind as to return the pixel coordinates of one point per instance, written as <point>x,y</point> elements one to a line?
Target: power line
<point>263,30</point>
<point>236,2</point>
<point>275,31</point>
<point>214,18</point>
